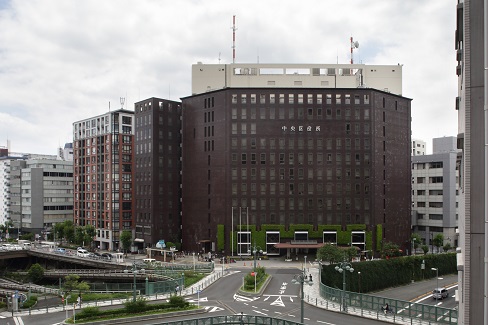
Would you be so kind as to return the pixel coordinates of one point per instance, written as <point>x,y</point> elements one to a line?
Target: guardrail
<point>372,305</point>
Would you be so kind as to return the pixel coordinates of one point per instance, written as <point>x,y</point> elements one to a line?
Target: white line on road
<point>319,321</point>
<point>18,321</point>
<point>257,311</point>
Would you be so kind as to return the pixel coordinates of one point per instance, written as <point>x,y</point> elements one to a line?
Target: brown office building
<point>292,168</point>
<point>157,177</point>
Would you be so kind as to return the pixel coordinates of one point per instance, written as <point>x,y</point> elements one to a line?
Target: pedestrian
<point>177,288</point>
<point>79,300</point>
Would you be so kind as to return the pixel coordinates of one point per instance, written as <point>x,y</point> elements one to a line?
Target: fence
<point>232,319</point>
<point>372,305</point>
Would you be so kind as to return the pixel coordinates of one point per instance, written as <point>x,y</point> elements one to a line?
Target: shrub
<point>89,312</point>
<point>178,301</point>
<point>29,302</point>
<point>136,306</point>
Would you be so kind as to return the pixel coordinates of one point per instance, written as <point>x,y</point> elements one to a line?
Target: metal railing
<point>233,319</point>
<point>402,309</point>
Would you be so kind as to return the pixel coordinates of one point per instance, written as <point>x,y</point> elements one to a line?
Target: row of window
<point>317,158</point>
<point>301,143</point>
<point>299,189</point>
<point>338,99</point>
<point>431,165</point>
<point>312,174</point>
<point>297,113</point>
<point>432,180</point>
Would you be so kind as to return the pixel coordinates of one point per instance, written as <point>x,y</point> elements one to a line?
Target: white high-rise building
<point>435,192</point>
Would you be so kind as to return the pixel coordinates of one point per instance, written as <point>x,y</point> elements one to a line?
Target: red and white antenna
<point>234,39</point>
<point>354,45</point>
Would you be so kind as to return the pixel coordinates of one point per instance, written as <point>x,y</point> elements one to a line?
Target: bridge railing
<point>233,319</point>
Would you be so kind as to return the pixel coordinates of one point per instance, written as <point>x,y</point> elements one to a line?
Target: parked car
<point>60,250</point>
<point>440,293</point>
<point>82,253</point>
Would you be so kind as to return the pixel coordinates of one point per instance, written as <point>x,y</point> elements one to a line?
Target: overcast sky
<point>64,60</point>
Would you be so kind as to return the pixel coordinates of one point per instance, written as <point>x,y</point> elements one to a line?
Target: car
<point>82,253</point>
<point>60,251</point>
<point>440,293</point>
<point>107,256</point>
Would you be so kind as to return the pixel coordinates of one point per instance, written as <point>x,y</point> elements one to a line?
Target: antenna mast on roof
<point>122,101</point>
<point>234,39</point>
<point>354,45</point>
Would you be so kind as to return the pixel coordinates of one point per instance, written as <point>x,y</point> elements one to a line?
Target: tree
<point>416,239</point>
<point>390,250</point>
<point>69,232</point>
<point>329,253</point>
<point>89,234</point>
<point>438,241</point>
<point>72,283</point>
<point>447,247</point>
<point>79,236</point>
<point>425,248</point>
<point>36,272</point>
<point>59,231</point>
<point>126,240</point>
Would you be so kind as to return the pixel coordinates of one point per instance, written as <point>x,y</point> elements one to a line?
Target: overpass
<point>69,257</point>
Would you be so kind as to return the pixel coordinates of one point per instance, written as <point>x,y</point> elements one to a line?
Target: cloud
<point>63,61</point>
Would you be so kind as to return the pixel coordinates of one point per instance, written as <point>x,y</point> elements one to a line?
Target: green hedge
<point>259,237</point>
<point>381,274</point>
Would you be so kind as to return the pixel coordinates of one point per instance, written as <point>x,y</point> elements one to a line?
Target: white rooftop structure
<point>209,77</point>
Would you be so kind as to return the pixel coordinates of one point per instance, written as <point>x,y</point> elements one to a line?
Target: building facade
<point>41,193</point>
<point>274,165</point>
<point>418,147</point>
<point>158,172</point>
<point>435,192</point>
<point>103,175</point>
<point>472,62</point>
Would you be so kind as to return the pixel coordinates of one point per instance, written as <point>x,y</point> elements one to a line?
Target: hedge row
<point>381,274</point>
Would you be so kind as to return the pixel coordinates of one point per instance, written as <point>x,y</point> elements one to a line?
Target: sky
<point>64,61</point>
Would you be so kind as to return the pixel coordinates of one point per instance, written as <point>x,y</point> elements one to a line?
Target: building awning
<point>139,240</point>
<point>204,241</point>
<point>298,245</point>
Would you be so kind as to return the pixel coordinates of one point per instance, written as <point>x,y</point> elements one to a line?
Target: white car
<point>82,253</point>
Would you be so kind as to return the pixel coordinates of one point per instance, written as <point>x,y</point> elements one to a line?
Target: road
<point>280,299</point>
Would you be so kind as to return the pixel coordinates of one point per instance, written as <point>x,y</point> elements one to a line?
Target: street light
<point>359,281</point>
<point>255,250</point>
<point>301,279</point>
<point>342,268</point>
<point>437,276</point>
<point>413,245</point>
<point>134,272</point>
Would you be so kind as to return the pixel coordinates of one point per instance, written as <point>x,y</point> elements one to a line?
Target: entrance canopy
<point>299,245</point>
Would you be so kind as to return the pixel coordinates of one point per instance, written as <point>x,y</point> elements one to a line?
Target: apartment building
<point>103,158</point>
<point>435,192</point>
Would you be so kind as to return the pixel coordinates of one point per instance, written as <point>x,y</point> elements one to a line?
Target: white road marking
<point>319,321</point>
<point>212,309</point>
<point>257,311</point>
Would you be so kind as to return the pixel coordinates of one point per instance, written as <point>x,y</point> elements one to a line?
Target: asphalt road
<point>280,299</point>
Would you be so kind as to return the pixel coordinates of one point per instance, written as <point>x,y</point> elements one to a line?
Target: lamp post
<point>413,245</point>
<point>359,282</point>
<point>301,279</point>
<point>134,272</point>
<point>437,277</point>
<point>254,251</point>
<point>342,268</point>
